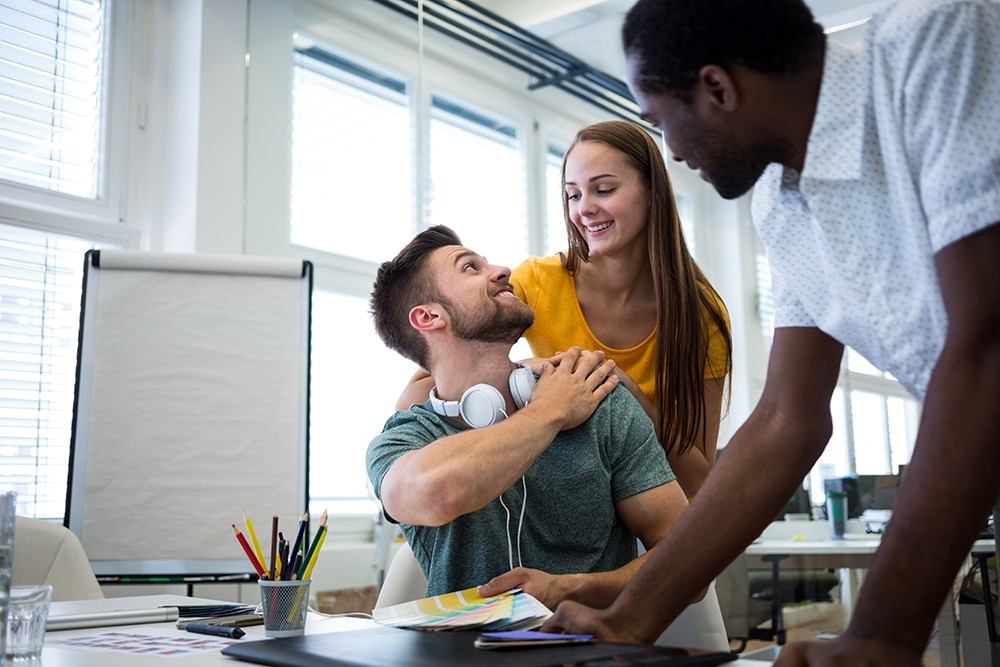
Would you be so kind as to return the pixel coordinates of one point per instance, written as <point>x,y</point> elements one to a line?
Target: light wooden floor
<point>831,626</point>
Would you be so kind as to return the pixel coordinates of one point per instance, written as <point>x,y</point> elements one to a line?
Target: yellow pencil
<point>254,542</point>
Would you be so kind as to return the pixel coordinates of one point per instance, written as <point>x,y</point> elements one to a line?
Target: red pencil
<point>250,554</point>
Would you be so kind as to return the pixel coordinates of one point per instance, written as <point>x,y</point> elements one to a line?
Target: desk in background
<point>803,548</point>
<point>57,656</point>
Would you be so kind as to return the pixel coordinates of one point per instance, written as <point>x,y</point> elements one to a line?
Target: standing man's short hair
<point>673,39</point>
<point>403,283</point>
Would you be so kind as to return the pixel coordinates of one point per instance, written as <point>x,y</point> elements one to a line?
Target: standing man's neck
<point>801,98</point>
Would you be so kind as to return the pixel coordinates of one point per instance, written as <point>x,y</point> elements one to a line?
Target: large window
<point>355,383</point>
<point>355,198</point>
<point>40,276</point>
<point>53,165</point>
<point>477,181</point>
<point>351,189</point>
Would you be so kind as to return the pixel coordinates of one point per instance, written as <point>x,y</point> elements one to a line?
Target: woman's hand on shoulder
<point>416,391</point>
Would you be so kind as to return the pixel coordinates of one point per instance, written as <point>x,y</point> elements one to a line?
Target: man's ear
<point>427,317</point>
<point>716,89</point>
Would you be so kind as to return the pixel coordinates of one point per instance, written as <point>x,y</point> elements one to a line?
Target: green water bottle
<point>836,511</point>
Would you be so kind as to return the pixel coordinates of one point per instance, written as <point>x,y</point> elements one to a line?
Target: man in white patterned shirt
<point>877,195</point>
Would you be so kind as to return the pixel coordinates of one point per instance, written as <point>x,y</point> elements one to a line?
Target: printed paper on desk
<point>466,609</point>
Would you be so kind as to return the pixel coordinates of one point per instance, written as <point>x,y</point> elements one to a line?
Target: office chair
<point>699,626</point>
<point>404,580</point>
<point>47,553</point>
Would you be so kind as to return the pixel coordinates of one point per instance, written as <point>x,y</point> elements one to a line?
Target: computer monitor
<point>866,492</point>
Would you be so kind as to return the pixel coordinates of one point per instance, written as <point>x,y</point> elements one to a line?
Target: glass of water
<point>8,506</point>
<point>29,610</point>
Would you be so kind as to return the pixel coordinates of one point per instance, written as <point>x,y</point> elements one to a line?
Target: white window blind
<point>351,189</point>
<point>40,278</point>
<point>477,181</point>
<point>51,94</point>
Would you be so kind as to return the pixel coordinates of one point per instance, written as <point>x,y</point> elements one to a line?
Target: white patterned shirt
<point>902,160</point>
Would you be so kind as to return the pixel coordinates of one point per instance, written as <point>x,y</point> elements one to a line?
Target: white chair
<point>47,553</point>
<point>404,580</point>
<point>698,626</point>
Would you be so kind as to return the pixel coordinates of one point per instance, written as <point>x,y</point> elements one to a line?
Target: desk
<point>853,553</point>
<point>56,656</point>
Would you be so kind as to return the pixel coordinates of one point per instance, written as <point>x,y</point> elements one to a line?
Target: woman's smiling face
<point>607,197</point>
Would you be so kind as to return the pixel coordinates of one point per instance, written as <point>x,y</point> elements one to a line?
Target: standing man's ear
<point>427,317</point>
<point>716,86</point>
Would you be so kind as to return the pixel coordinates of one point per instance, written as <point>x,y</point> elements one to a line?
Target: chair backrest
<point>47,553</point>
<point>404,580</point>
<point>698,626</point>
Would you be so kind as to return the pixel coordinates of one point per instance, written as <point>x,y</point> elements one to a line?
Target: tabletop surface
<point>852,544</point>
<point>54,655</point>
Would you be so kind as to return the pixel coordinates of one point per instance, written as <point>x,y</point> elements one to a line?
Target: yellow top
<point>544,284</point>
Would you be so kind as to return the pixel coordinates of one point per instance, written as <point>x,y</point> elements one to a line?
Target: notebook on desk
<point>390,647</point>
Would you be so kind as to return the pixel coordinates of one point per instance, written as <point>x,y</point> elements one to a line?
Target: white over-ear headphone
<point>482,404</point>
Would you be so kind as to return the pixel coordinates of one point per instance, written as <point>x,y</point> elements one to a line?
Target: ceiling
<point>590,29</point>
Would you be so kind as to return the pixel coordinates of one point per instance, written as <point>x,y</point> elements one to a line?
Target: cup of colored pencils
<point>284,581</point>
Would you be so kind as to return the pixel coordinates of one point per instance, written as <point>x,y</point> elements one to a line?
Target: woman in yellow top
<point>628,286</point>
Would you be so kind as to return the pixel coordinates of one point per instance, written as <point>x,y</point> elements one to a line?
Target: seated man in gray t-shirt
<point>539,484</point>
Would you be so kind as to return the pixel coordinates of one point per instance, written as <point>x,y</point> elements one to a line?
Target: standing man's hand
<point>576,386</point>
<point>574,618</point>
<point>846,651</point>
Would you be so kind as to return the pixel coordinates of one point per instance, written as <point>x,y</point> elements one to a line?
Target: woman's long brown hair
<point>683,293</point>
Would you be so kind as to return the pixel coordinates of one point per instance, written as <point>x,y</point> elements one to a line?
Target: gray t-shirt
<point>570,524</point>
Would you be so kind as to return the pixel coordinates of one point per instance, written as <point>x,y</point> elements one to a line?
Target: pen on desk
<point>274,545</point>
<point>246,547</point>
<point>254,542</point>
<point>216,630</point>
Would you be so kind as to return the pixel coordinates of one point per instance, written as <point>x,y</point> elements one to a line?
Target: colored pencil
<point>298,540</point>
<point>312,547</point>
<point>312,561</point>
<point>294,565</point>
<point>246,547</point>
<point>254,542</point>
<point>274,546</point>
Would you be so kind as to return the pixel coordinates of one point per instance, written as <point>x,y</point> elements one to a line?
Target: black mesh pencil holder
<point>285,604</point>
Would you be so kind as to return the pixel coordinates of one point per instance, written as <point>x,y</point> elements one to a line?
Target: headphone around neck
<point>482,404</point>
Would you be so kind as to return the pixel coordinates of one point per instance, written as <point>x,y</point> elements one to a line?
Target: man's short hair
<point>403,283</point>
<point>673,39</point>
